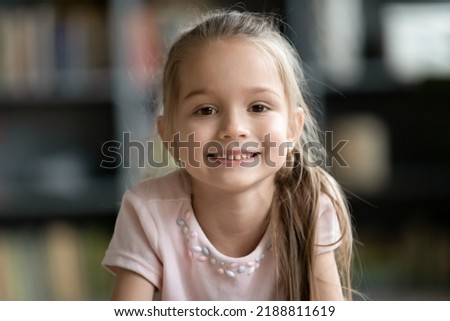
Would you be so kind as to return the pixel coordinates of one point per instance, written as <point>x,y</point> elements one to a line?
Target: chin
<point>234,180</point>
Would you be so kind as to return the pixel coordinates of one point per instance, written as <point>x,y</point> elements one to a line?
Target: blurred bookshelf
<point>75,74</point>
<point>379,73</point>
<point>385,91</point>
<point>56,260</point>
<point>57,205</point>
<point>54,48</point>
<point>56,107</point>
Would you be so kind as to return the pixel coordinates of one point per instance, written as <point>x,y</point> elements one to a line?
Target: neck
<point>233,222</point>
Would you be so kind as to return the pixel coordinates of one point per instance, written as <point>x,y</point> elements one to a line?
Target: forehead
<point>228,64</point>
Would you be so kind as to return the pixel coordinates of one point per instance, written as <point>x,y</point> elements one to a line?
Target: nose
<point>233,125</point>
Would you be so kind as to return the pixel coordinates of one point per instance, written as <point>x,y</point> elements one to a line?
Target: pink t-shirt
<point>158,237</point>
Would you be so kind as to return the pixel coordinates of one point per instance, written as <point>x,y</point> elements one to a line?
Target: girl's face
<point>232,116</point>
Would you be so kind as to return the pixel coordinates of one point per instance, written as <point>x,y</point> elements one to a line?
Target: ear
<point>296,125</point>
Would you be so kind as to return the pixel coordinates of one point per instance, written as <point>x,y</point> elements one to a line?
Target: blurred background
<point>76,75</point>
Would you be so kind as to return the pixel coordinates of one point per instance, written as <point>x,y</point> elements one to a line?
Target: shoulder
<point>328,230</point>
<point>326,206</point>
<point>327,219</point>
<point>148,213</point>
<point>154,202</point>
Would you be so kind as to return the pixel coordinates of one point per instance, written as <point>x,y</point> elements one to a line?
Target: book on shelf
<point>56,261</point>
<point>44,51</point>
<point>63,258</point>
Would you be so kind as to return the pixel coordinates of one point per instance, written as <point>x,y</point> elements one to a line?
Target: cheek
<point>277,128</point>
<point>190,139</point>
<point>278,144</point>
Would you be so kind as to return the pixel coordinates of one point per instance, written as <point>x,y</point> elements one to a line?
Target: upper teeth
<point>237,156</point>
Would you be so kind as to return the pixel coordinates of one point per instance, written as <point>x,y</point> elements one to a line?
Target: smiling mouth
<point>231,157</point>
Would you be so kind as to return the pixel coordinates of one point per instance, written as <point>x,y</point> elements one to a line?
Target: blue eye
<point>205,111</point>
<point>258,108</point>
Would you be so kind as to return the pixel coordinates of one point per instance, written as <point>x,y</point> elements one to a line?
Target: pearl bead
<point>230,273</point>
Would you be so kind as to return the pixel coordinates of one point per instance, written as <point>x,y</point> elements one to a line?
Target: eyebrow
<point>264,89</point>
<point>205,91</point>
<point>196,92</point>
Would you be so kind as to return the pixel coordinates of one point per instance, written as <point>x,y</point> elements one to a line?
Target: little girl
<point>246,216</point>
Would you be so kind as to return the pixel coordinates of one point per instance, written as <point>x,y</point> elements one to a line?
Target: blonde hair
<point>295,206</point>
